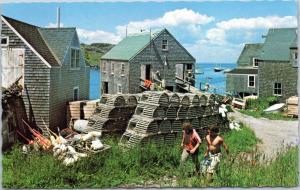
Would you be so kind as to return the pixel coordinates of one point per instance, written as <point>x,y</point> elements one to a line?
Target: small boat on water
<point>275,108</point>
<point>227,70</point>
<point>218,69</point>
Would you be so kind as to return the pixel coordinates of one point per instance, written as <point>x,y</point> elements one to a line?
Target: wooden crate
<point>292,106</point>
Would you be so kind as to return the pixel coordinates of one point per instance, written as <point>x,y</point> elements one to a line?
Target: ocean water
<point>216,80</point>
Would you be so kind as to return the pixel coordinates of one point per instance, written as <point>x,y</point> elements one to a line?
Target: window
<point>122,69</point>
<point>189,66</point>
<point>295,55</point>
<point>75,93</point>
<point>164,45</point>
<point>251,81</point>
<point>104,67</point>
<point>295,59</point>
<point>119,89</point>
<point>255,62</point>
<point>75,58</point>
<point>277,89</point>
<point>112,68</point>
<point>4,40</point>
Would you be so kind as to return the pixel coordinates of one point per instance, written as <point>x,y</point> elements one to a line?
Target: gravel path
<point>275,134</point>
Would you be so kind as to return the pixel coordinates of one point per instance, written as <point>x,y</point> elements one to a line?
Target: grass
<point>144,167</point>
<point>256,107</point>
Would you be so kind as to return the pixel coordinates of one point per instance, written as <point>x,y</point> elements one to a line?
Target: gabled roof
<point>129,47</point>
<point>32,35</point>
<point>277,44</point>
<point>249,51</point>
<point>58,40</point>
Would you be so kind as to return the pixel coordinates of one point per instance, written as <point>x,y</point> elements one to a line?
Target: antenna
<point>58,17</point>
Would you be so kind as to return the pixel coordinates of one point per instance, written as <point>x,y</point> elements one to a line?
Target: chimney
<point>58,17</point>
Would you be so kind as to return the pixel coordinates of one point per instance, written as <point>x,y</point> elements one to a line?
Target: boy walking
<point>214,143</point>
<point>190,143</point>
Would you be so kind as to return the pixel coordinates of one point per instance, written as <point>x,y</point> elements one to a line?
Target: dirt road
<point>274,134</point>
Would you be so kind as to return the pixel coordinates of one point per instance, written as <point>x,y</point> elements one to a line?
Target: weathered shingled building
<point>140,57</point>
<point>243,79</point>
<point>51,66</point>
<point>276,63</point>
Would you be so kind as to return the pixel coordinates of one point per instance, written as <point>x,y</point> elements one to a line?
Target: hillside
<point>94,52</point>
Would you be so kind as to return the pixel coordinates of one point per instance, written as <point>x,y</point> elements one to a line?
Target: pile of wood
<point>159,117</point>
<point>292,106</point>
<point>82,109</point>
<point>113,113</point>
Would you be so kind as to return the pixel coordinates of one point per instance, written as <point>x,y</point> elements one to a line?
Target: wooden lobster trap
<point>160,98</point>
<point>182,112</point>
<point>203,100</point>
<point>194,99</point>
<point>148,110</point>
<point>164,126</point>
<point>184,100</point>
<point>174,99</point>
<point>142,125</point>
<point>171,112</point>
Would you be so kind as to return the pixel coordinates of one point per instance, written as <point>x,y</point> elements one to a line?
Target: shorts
<point>215,160</point>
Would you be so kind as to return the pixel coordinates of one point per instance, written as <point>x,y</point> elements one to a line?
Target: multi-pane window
<point>251,81</point>
<point>104,67</point>
<point>75,93</point>
<point>119,89</point>
<point>122,68</point>
<point>74,58</point>
<point>4,40</point>
<point>255,62</point>
<point>112,68</point>
<point>277,89</point>
<point>164,45</point>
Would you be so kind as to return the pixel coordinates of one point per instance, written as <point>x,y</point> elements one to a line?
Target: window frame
<point>122,69</point>
<point>112,68</point>
<point>248,83</point>
<point>253,62</point>
<point>75,88</point>
<point>119,86</point>
<point>7,41</point>
<point>104,67</point>
<point>277,89</point>
<point>76,58</point>
<point>166,45</point>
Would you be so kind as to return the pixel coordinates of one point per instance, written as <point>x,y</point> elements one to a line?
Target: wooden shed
<point>51,65</point>
<point>142,58</point>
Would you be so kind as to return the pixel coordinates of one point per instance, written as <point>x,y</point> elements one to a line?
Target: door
<point>12,61</point>
<point>105,88</point>
<point>148,72</point>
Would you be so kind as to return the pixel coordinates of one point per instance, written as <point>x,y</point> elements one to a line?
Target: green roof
<point>129,47</point>
<point>250,51</point>
<point>58,40</point>
<point>277,44</point>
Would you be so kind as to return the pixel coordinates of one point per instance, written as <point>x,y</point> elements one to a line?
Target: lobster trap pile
<point>159,116</point>
<point>113,113</point>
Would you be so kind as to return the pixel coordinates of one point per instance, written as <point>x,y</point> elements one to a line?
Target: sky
<point>212,31</point>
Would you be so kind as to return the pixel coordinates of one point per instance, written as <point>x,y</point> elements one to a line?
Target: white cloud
<point>88,36</point>
<point>173,18</point>
<point>216,36</point>
<point>258,23</point>
<point>54,25</point>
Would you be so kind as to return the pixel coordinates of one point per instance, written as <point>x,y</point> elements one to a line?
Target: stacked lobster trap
<point>113,113</point>
<point>159,116</point>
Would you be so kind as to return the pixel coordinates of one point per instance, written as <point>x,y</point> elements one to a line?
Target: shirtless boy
<point>214,143</point>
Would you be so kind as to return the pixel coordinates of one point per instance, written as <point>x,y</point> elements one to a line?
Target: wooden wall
<point>36,78</point>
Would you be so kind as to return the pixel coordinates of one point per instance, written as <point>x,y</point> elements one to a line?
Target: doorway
<point>105,87</point>
<point>148,72</point>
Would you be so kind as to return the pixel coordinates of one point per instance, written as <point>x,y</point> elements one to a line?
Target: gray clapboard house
<point>140,57</point>
<point>243,80</point>
<point>51,66</point>
<point>278,68</point>
<point>268,69</point>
